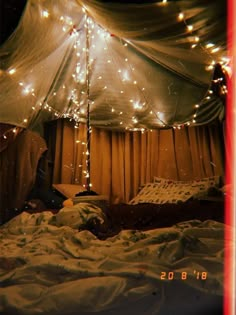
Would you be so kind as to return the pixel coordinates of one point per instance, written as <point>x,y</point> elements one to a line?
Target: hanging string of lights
<point>77,107</point>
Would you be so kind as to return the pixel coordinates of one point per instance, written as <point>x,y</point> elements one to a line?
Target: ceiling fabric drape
<point>149,66</point>
<point>121,162</point>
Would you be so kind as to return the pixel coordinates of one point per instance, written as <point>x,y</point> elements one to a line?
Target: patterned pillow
<point>171,191</point>
<point>207,181</point>
<point>198,186</point>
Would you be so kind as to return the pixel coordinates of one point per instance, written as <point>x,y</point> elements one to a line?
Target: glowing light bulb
<point>214,50</point>
<point>181,16</point>
<point>45,14</point>
<point>189,28</point>
<point>12,71</point>
<point>209,45</point>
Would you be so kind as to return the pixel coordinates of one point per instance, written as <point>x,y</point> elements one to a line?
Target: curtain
<point>18,169</point>
<point>121,162</point>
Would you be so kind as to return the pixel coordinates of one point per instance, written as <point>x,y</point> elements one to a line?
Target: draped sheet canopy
<point>133,65</point>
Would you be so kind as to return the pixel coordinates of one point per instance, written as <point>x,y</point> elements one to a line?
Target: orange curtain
<point>123,161</point>
<point>18,168</point>
<point>70,152</point>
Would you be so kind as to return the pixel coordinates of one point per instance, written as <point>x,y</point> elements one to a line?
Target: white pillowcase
<point>172,191</point>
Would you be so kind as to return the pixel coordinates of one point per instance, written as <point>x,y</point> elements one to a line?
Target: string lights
<point>78,98</point>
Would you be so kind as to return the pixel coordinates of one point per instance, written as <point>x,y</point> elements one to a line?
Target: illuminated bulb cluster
<point>8,133</point>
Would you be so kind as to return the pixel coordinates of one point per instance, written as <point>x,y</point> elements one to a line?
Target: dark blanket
<point>148,216</point>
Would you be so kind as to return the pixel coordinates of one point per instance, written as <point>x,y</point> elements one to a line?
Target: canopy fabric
<point>131,66</point>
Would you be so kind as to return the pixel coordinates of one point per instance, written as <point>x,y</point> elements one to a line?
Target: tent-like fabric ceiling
<point>134,65</point>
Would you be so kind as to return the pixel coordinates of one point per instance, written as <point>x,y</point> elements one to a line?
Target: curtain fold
<point>123,161</point>
<point>18,170</point>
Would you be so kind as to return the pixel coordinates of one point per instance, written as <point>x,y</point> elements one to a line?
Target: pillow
<point>160,180</point>
<point>207,181</point>
<point>68,190</point>
<point>198,187</point>
<point>99,200</point>
<point>205,184</point>
<point>82,216</point>
<point>169,192</point>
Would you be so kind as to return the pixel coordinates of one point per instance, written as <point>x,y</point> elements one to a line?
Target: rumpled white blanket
<point>50,269</point>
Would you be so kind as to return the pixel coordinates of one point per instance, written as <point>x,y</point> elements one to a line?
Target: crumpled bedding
<point>50,268</point>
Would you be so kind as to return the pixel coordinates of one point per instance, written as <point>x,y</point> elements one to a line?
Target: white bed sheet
<point>49,269</point>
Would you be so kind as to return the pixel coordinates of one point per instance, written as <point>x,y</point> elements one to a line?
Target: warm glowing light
<point>209,45</point>
<point>27,90</point>
<point>189,28</point>
<point>136,105</point>
<point>45,14</point>
<point>181,16</point>
<point>125,76</point>
<point>12,71</point>
<point>214,50</point>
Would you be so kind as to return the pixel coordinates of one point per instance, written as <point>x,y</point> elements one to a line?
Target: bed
<point>142,258</point>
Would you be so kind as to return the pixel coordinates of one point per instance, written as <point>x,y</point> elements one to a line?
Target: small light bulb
<point>45,13</point>
<point>12,71</point>
<point>190,28</point>
<point>180,16</point>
